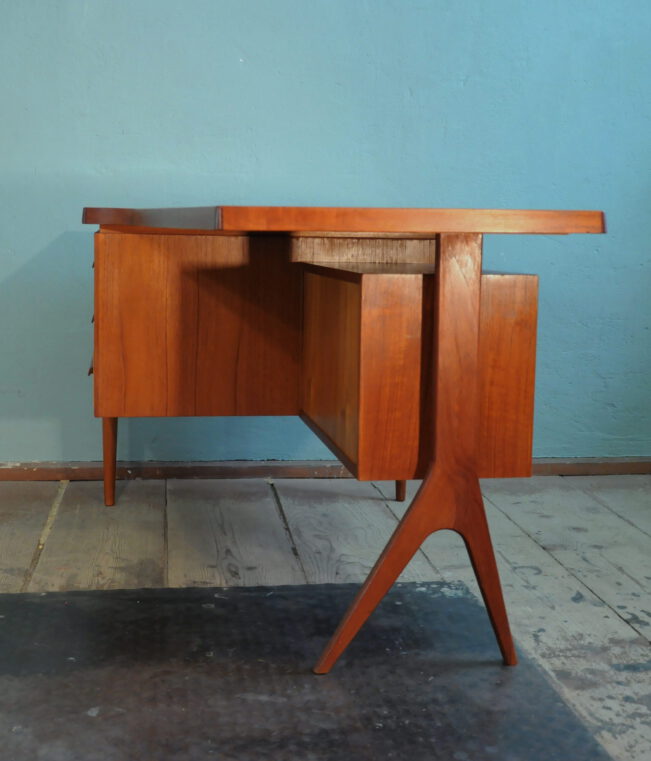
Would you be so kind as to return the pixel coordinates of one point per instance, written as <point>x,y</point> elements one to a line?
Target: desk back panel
<point>196,325</point>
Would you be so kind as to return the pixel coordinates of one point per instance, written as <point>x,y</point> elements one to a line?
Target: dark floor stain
<point>576,680</point>
<point>635,667</point>
<point>634,620</point>
<point>536,635</point>
<point>194,674</point>
<point>145,572</point>
<point>643,700</point>
<point>531,570</point>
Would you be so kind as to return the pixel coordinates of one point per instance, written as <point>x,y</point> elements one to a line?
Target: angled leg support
<point>449,497</point>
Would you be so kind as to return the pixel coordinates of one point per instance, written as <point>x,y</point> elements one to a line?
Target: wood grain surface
<point>227,533</point>
<point>91,470</point>
<point>390,376</point>
<point>195,325</point>
<point>24,510</point>
<point>615,561</point>
<point>93,547</point>
<point>351,252</point>
<point>340,529</point>
<point>449,497</point>
<point>109,450</point>
<point>507,362</point>
<point>363,377</point>
<point>349,219</point>
<point>190,218</point>
<point>331,361</point>
<point>627,497</point>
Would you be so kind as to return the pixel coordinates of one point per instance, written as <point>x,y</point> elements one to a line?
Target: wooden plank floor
<point>574,556</point>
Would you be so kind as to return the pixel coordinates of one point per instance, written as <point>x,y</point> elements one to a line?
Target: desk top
<point>297,219</point>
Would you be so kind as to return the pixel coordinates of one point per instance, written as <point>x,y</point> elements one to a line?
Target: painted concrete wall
<point>334,102</point>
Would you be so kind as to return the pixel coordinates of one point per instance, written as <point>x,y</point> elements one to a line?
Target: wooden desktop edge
<point>288,219</point>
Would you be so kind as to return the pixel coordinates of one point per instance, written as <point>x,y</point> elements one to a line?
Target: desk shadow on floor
<point>225,674</point>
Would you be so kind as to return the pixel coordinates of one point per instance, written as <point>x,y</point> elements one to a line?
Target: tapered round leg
<point>109,441</point>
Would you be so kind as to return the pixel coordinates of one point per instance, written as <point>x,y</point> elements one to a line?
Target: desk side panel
<point>507,358</point>
<point>331,349</point>
<point>196,325</point>
<point>389,434</point>
<point>362,379</point>
<point>390,376</point>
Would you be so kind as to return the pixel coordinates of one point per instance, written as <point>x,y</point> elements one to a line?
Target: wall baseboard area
<point>92,471</point>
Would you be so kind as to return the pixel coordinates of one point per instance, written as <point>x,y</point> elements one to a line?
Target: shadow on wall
<point>46,396</point>
<point>45,348</point>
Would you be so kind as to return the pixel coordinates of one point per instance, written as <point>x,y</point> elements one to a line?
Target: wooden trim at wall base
<point>591,466</point>
<point>92,471</point>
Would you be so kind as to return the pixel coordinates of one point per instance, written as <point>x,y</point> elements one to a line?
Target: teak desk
<point>376,326</point>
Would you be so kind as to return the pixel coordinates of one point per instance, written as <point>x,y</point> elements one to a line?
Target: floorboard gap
<point>605,504</point>
<point>288,531</point>
<point>166,576</point>
<point>570,572</point>
<point>47,528</point>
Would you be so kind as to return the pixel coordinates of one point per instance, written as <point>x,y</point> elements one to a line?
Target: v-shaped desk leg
<point>449,497</point>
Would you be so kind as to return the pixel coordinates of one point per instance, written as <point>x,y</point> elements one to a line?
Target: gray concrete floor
<point>574,557</point>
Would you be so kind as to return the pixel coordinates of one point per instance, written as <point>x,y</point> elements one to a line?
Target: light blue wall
<point>507,103</point>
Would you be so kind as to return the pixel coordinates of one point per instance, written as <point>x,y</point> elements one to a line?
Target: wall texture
<point>331,102</point>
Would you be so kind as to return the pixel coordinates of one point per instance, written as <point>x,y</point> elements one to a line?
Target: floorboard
<point>609,555</point>
<point>598,662</point>
<point>627,496</point>
<point>573,555</point>
<point>24,508</point>
<point>340,527</point>
<point>95,547</point>
<point>227,533</point>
